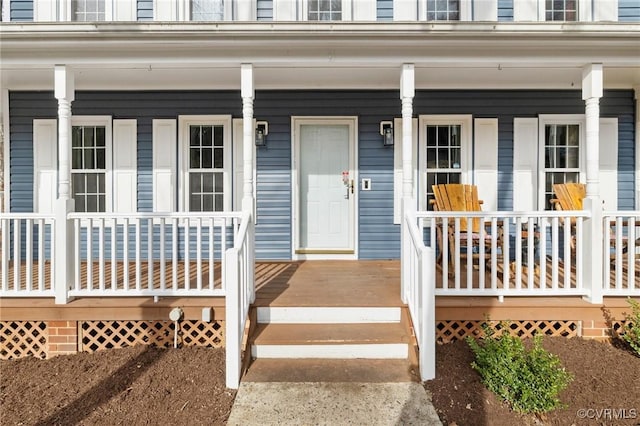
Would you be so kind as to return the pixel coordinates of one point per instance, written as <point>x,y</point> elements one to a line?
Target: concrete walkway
<point>323,403</point>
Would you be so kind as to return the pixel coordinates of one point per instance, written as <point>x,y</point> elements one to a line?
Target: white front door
<point>325,187</point>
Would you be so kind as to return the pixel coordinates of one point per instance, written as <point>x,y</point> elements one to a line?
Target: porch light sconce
<point>386,130</point>
<point>262,130</point>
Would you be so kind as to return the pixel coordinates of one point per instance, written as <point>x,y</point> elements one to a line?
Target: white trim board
<point>4,107</point>
<point>367,351</point>
<point>327,315</point>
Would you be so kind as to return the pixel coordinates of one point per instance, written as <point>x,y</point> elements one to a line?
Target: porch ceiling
<point>307,56</point>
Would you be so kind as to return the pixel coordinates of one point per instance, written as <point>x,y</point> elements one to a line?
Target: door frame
<point>296,122</point>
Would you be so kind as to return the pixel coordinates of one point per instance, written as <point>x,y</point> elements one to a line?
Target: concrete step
<point>344,341</point>
<point>332,370</point>
<point>328,315</point>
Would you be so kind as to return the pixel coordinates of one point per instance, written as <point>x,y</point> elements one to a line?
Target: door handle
<point>349,189</point>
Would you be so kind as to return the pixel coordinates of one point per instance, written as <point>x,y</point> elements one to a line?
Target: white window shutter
<point>125,143</point>
<point>609,162</point>
<point>485,10</point>
<point>525,162</point>
<point>165,10</point>
<point>364,10</point>
<point>45,167</point>
<point>486,161</point>
<point>125,10</point>
<point>605,10</point>
<point>45,10</point>
<point>405,10</point>
<point>526,10</point>
<point>397,165</point>
<point>164,165</point>
<point>285,10</point>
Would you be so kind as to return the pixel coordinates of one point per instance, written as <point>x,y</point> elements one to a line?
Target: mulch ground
<point>132,386</point>
<point>605,378</point>
<point>147,385</point>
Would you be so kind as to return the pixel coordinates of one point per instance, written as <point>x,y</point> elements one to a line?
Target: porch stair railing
<point>418,285</point>
<point>240,294</point>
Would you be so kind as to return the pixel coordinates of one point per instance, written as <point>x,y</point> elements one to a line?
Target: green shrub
<point>631,329</point>
<point>529,380</point>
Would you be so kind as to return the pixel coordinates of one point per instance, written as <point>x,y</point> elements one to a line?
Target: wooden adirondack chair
<point>569,196</point>
<point>456,197</point>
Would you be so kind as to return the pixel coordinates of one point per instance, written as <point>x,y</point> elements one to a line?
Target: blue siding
<point>265,10</point>
<point>145,10</point>
<point>629,10</point>
<point>378,236</point>
<point>505,10</point>
<point>20,10</point>
<point>385,10</point>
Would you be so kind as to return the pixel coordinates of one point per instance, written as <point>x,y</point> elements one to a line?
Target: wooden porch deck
<point>306,283</point>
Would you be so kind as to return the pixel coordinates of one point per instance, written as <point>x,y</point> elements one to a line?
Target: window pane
<point>218,162</point>
<point>218,136</point>
<point>207,136</point>
<point>195,183</point>
<point>76,136</point>
<point>573,135</point>
<point>100,136</point>
<point>219,180</point>
<point>101,180</point>
<point>573,160</point>
<point>89,160</point>
<point>76,159</point>
<point>443,158</point>
<point>92,203</point>
<point>207,158</point>
<point>80,203</point>
<point>194,203</point>
<point>92,183</point>
<point>77,182</point>
<point>194,158</point>
<point>207,182</point>
<point>443,136</point>
<point>194,135</point>
<point>431,136</point>
<point>207,203</point>
<point>219,204</point>
<point>100,158</point>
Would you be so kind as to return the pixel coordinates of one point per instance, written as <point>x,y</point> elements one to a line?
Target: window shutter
<point>609,162</point>
<point>165,10</point>
<point>164,165</point>
<point>125,10</point>
<point>397,165</point>
<point>364,10</point>
<point>605,10</point>
<point>525,162</point>
<point>124,165</point>
<point>284,10</point>
<point>526,10</point>
<point>485,10</point>
<point>486,161</point>
<point>405,10</point>
<point>45,169</point>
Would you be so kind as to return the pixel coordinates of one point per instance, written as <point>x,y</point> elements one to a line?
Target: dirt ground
<point>146,385</point>
<point>605,377</point>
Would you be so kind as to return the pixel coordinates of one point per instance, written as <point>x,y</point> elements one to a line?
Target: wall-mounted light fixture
<point>386,130</point>
<point>262,130</point>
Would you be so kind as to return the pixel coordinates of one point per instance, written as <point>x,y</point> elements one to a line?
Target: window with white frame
<point>443,10</point>
<point>445,152</point>
<point>562,153</point>
<point>561,10</point>
<point>324,10</point>
<point>88,10</point>
<point>207,10</point>
<point>206,163</point>
<point>90,162</point>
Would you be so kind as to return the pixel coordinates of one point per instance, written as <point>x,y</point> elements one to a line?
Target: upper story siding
<point>27,10</point>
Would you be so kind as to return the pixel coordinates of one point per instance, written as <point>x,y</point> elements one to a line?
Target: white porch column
<point>637,129</point>
<point>592,245</point>
<point>63,248</point>
<point>407,93</point>
<point>248,133</point>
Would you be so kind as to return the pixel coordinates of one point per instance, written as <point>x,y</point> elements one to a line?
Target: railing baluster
<point>150,274</point>
<point>631,252</point>
<point>481,254</point>
<point>138,249</point>
<point>41,253</point>
<point>542,229</point>
<point>567,253</point>
<point>211,257</point>
<point>469,250</point>
<point>174,253</point>
<point>163,278</point>
<point>101,268</point>
<point>5,229</point>
<point>531,265</point>
<point>619,254</point>
<point>494,253</point>
<point>518,273</point>
<point>29,254</point>
<point>90,254</point>
<point>17,256</point>
<point>199,253</point>
<point>77,231</point>
<point>579,254</point>
<point>114,250</point>
<point>125,253</point>
<point>456,242</point>
<point>187,262</point>
<point>445,252</point>
<point>554,251</point>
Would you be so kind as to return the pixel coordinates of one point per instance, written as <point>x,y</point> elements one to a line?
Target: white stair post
<point>63,248</point>
<point>592,246</point>
<point>407,93</point>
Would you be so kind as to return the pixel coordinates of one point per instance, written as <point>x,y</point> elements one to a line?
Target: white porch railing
<point>240,269</point>
<point>621,253</point>
<point>151,254</point>
<point>418,287</point>
<point>513,254</point>
<point>26,255</point>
